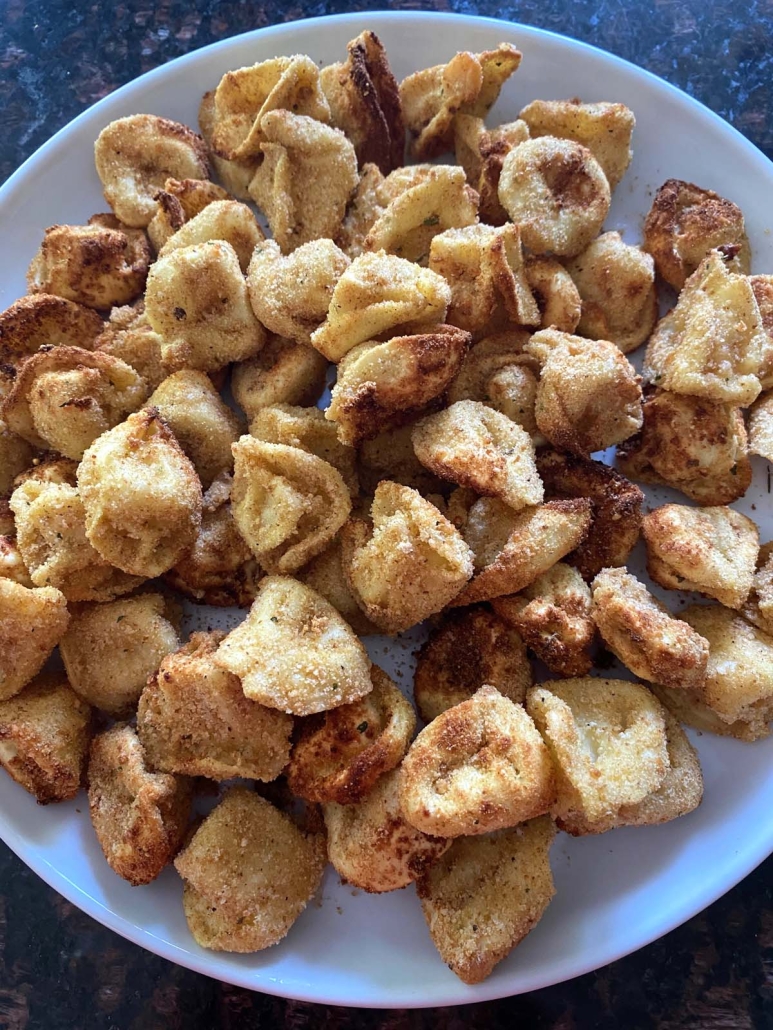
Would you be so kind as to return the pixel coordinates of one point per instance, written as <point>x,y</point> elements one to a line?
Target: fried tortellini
<point>685,223</point>
<point>32,622</point>
<point>283,372</point>
<point>557,297</point>
<point>287,502</point>
<point>236,176</point>
<point>762,288</point>
<point>758,608</point>
<point>128,335</point>
<point>225,220</point>
<point>294,652</point>
<point>409,564</point>
<point>556,191</point>
<point>291,294</point>
<point>141,496</point>
<point>711,550</point>
<point>45,320</point>
<point>197,302</point>
<point>617,285</point>
<point>63,398</point>
<point>496,372</point>
<point>480,152</point>
<point>177,203</point>
<point>325,574</point>
<point>761,428</point>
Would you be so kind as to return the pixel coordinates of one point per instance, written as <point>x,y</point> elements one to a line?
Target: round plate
<point>615,892</point>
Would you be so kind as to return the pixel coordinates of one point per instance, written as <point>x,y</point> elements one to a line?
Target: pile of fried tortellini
<point>477,320</point>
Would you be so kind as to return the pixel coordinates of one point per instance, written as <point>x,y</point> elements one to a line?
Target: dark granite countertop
<point>59,970</point>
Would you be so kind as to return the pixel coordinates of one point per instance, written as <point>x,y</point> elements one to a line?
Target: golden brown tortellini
<point>480,152</point>
<point>558,299</point>
<point>128,335</point>
<point>366,204</point>
<point>761,427</point>
<point>177,203</point>
<point>325,574</point>
<point>291,294</point>
<point>762,288</point>
<point>283,372</point>
<point>236,176</point>
<point>141,495</point>
<point>758,608</point>
<point>226,220</point>
<point>287,502</point>
<point>496,371</point>
<point>617,285</point>
<point>43,320</point>
<point>197,301</point>
<point>64,398</point>
<point>15,456</point>
<point>32,622</point>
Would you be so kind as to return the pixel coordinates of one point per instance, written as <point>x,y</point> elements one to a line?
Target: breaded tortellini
<point>32,622</point>
<point>236,176</point>
<point>761,427</point>
<point>295,652</point>
<point>287,502</point>
<point>98,265</point>
<point>204,426</point>
<point>481,449</point>
<point>607,739</point>
<point>136,155</point>
<point>481,151</point>
<point>141,495</point>
<point>408,564</point>
<point>339,755</point>
<point>485,894</point>
<point>469,649</point>
<point>557,297</point>
<point>366,204</point>
<point>467,84</point>
<point>512,548</point>
<point>375,294</point>
<point>290,294</point>
<point>283,372</point>
<point>711,550</point>
<point>758,608</point>
<point>364,101</point>
<point>556,191</point>
<point>604,128</point>
<point>249,872</point>
<point>44,738</point>
<point>197,301</point>
<point>484,267</point>
<point>762,288</point>
<point>193,719</point>
<point>616,282</point>
<point>644,635</point>
<point>713,344</point>
<point>128,335</point>
<point>589,396</point>
<point>692,444</point>
<point>306,179</point>
<point>226,220</point>
<point>685,223</point>
<point>477,767</point>
<point>45,320</point>
<point>384,385</point>
<point>177,203</point>
<point>372,846</point>
<point>325,574</point>
<point>63,398</point>
<point>553,616</point>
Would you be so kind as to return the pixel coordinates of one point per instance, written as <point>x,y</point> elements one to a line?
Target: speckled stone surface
<point>59,970</point>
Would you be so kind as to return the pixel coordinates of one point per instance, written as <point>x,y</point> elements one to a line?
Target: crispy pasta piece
<point>288,503</point>
<point>691,444</point>
<point>465,652</point>
<point>485,894</point>
<point>644,635</point>
<point>97,265</point>
<point>712,344</point>
<point>32,622</point>
<point>711,550</point>
<point>249,872</point>
<point>484,267</point>
<point>339,755</point>
<point>761,428</point>
<point>484,360</point>
<point>384,385</point>
<point>556,191</point>
<point>375,294</point>
<point>193,719</point>
<point>685,223</point>
<point>306,179</point>
<point>589,396</point>
<point>139,816</point>
<point>605,129</point>
<point>325,574</point>
<point>44,738</point>
<point>43,320</point>
<point>365,206</point>
<point>128,335</point>
<point>141,495</point>
<point>481,449</point>
<point>481,151</point>
<point>177,203</point>
<point>758,608</point>
<point>617,285</point>
<point>226,220</point>
<point>295,652</point>
<point>553,616</point>
<point>291,294</point>
<point>372,846</point>
<point>364,101</point>
<point>409,564</point>
<point>477,767</point>
<point>762,288</point>
<point>283,372</point>
<point>197,302</point>
<point>512,549</point>
<point>63,398</point>
<point>607,739</point>
<point>557,297</point>
<point>468,84</point>
<point>236,176</point>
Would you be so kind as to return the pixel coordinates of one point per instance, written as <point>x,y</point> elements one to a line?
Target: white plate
<point>616,892</point>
